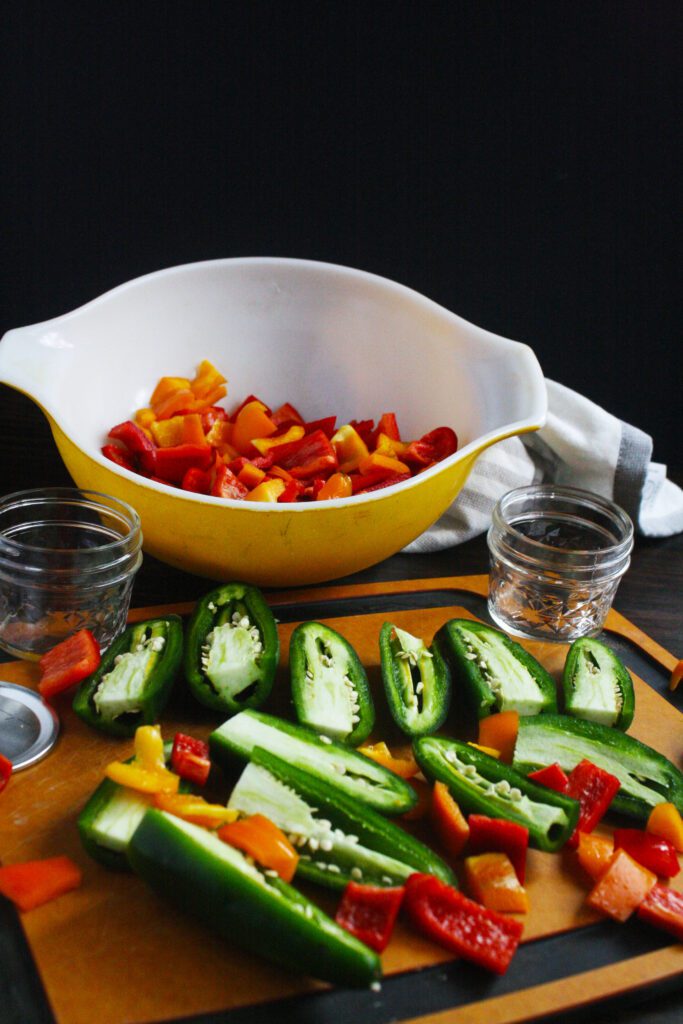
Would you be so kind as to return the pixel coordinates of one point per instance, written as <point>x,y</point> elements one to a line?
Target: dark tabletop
<point>650,595</point>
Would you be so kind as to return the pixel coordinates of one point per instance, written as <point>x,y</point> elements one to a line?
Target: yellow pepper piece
<point>406,766</point>
<point>145,418</point>
<point>251,476</point>
<point>492,880</point>
<point>166,387</point>
<point>195,809</point>
<point>378,461</point>
<point>665,821</point>
<point>388,446</point>
<point>149,748</point>
<point>336,486</point>
<point>491,751</point>
<point>142,779</point>
<point>207,380</point>
<point>168,433</point>
<point>252,421</point>
<point>350,447</point>
<point>264,444</point>
<point>269,490</point>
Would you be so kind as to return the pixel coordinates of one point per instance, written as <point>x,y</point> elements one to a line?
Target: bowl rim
<point>534,421</point>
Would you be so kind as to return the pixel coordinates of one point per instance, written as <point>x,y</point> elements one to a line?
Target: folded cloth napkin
<point>581,445</point>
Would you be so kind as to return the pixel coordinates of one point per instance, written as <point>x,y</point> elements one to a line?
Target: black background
<point>517,162</point>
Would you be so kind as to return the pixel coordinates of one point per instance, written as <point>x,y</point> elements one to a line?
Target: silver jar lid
<point>28,725</point>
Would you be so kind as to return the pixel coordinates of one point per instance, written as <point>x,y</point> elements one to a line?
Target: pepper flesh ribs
<point>256,453</point>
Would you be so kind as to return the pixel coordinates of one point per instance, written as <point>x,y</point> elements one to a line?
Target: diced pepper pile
<point>256,453</point>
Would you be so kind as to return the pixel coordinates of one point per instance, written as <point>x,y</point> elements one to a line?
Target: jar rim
<point>547,494</point>
<point>97,501</point>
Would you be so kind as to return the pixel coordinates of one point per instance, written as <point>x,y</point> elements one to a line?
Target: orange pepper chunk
<point>193,431</point>
<point>336,486</point>
<point>424,800</point>
<point>500,732</point>
<point>350,447</point>
<point>594,853</point>
<point>194,809</point>
<point>168,433</point>
<point>622,887</point>
<point>207,380</point>
<point>448,820</point>
<point>259,838</point>
<point>252,421</point>
<point>31,883</point>
<point>167,387</point>
<point>389,465</point>
<point>176,402</point>
<point>251,476</point>
<point>665,821</point>
<point>269,490</point>
<point>405,765</point>
<point>492,880</point>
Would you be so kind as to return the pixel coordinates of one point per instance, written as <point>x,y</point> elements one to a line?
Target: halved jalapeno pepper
<point>416,681</point>
<point>232,649</point>
<point>329,684</point>
<point>597,686</point>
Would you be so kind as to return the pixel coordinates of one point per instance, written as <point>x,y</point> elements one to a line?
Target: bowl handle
<point>33,360</point>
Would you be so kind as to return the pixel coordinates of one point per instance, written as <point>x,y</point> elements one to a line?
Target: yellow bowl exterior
<point>278,547</point>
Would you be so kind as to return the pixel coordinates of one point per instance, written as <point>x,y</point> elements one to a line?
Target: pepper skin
<point>134,680</point>
<point>416,681</point>
<point>231,649</point>
<point>597,687</point>
<point>216,883</point>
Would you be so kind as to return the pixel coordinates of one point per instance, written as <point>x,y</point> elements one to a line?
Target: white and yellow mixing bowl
<point>329,339</point>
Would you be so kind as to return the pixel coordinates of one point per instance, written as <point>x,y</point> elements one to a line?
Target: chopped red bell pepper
<point>496,835</point>
<point>171,464</point>
<point>387,425</point>
<point>653,852</point>
<point>313,455</point>
<point>460,925</point>
<point>364,483</point>
<point>133,437</point>
<point>293,490</point>
<point>34,882</point>
<point>121,456</point>
<point>5,771</point>
<point>328,425</point>
<point>594,788</point>
<point>551,776</point>
<point>663,908</point>
<point>432,447</point>
<point>198,481</point>
<point>286,416</point>
<point>212,415</point>
<point>366,429</point>
<point>190,758</point>
<point>226,484</point>
<point>369,912</point>
<point>69,662</point>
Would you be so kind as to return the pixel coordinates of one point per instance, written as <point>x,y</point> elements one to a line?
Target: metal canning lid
<point>28,725</point>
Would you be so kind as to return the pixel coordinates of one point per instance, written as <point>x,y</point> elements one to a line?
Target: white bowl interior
<point>331,340</point>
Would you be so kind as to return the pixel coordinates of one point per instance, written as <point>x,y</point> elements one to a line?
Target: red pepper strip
<point>197,480</point>
<point>286,416</point>
<point>361,485</point>
<point>259,461</point>
<point>369,912</point>
<point>432,447</point>
<point>69,662</point>
<point>312,455</point>
<point>293,490</point>
<point>653,852</point>
<point>663,908</point>
<point>496,835</point>
<point>551,776</point>
<point>366,429</point>
<point>190,758</point>
<point>35,882</point>
<point>460,925</point>
<point>328,425</point>
<point>121,456</point>
<point>387,425</point>
<point>134,438</point>
<point>5,771</point>
<point>171,464</point>
<point>226,484</point>
<point>594,788</point>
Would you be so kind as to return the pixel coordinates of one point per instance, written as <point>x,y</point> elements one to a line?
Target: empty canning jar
<point>556,556</point>
<point>68,559</point>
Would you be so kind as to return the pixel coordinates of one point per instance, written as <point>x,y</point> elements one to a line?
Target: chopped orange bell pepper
<point>252,421</point>
<point>176,430</point>
<point>195,809</point>
<point>336,486</point>
<point>251,476</point>
<point>376,462</point>
<point>350,447</point>
<point>448,820</point>
<point>207,381</point>
<point>166,388</point>
<point>492,880</point>
<point>665,821</point>
<point>404,765</point>
<point>622,887</point>
<point>424,800</point>
<point>34,882</point>
<point>264,444</point>
<point>269,490</point>
<point>500,732</point>
<point>259,838</point>
<point>594,853</point>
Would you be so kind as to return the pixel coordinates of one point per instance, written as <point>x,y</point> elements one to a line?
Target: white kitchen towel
<point>581,445</point>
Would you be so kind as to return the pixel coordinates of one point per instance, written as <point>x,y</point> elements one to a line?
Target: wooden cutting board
<point>114,946</point>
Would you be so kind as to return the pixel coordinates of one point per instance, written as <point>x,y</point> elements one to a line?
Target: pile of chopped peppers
<point>256,453</point>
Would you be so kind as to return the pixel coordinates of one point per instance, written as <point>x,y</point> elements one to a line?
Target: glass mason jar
<point>556,557</point>
<point>68,559</point>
